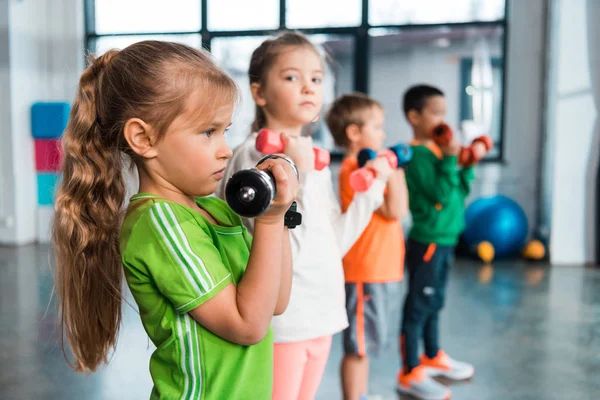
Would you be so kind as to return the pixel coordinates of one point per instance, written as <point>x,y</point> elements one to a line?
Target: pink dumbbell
<point>270,142</point>
<point>362,179</point>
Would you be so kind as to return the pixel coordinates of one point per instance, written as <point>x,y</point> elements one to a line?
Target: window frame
<point>465,79</point>
<point>360,34</point>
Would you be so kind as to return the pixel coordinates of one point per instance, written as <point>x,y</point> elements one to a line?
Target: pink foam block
<point>48,155</point>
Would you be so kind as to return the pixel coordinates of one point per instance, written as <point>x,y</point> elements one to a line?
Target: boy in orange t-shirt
<point>377,258</point>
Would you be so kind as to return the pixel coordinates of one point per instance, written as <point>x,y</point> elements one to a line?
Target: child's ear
<point>413,116</point>
<point>140,137</point>
<point>353,133</point>
<point>257,94</point>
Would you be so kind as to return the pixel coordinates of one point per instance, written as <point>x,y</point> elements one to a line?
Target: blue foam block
<point>49,119</point>
<point>46,183</point>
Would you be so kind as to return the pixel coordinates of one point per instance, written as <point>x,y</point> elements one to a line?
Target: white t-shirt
<point>317,300</point>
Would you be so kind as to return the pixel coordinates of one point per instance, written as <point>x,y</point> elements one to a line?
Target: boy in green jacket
<point>437,191</point>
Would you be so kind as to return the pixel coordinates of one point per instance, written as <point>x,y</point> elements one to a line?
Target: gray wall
<point>518,177</point>
<point>45,58</point>
<point>574,149</point>
<point>7,182</point>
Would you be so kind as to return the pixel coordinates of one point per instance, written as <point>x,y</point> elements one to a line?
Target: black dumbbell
<point>251,191</point>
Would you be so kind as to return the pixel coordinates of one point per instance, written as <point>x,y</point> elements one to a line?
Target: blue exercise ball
<point>498,220</point>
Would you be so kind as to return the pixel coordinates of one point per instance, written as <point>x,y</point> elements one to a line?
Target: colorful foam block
<point>48,155</point>
<point>49,119</point>
<point>46,185</point>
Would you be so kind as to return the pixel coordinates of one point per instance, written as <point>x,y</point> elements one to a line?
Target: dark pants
<point>428,266</point>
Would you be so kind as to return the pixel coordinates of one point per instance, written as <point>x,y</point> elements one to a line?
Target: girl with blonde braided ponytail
<point>206,291</point>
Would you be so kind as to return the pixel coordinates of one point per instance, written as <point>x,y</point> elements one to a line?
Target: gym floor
<point>532,332</point>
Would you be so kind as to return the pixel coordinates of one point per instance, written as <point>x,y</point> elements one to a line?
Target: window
<point>380,47</point>
<point>481,99</point>
<point>403,12</point>
<point>141,16</point>
<point>319,13</point>
<point>234,56</point>
<point>442,57</point>
<point>234,15</point>
<point>105,43</point>
<point>338,54</point>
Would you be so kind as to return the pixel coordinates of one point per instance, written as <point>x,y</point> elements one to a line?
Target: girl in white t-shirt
<point>285,78</point>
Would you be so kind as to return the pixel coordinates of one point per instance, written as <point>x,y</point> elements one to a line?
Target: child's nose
<point>225,151</point>
<point>309,87</point>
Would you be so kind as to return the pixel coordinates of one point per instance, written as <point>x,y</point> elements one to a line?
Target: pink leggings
<point>298,368</point>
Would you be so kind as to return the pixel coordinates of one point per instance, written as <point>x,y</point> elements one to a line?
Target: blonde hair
<point>149,80</point>
<point>263,58</point>
<point>347,110</point>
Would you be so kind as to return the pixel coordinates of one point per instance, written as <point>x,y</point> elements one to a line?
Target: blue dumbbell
<point>398,156</point>
<point>403,153</point>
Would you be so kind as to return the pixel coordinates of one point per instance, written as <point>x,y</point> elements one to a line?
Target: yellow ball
<point>485,251</point>
<point>534,250</point>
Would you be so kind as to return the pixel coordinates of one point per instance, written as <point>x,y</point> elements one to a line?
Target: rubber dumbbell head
<point>467,155</point>
<point>269,142</point>
<point>403,153</point>
<point>322,158</point>
<point>486,140</point>
<point>361,180</point>
<point>364,156</point>
<point>487,143</point>
<point>251,191</point>
<point>442,134</point>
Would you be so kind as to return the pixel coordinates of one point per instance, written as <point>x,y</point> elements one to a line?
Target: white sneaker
<point>443,365</point>
<point>420,385</point>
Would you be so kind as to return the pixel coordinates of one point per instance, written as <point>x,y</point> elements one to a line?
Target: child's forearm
<point>395,203</point>
<point>258,290</point>
<point>403,194</point>
<point>285,286</point>
<point>242,314</point>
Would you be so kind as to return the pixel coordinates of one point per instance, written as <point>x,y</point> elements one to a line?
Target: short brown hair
<point>416,97</point>
<point>346,110</point>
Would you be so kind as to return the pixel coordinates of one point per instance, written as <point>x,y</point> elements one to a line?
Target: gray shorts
<point>366,306</point>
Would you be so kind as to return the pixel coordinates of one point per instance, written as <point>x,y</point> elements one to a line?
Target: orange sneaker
<point>443,365</point>
<point>422,386</point>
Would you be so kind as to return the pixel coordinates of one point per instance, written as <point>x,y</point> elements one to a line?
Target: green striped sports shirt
<point>175,260</point>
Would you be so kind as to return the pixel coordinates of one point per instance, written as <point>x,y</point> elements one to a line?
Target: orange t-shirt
<point>378,255</point>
